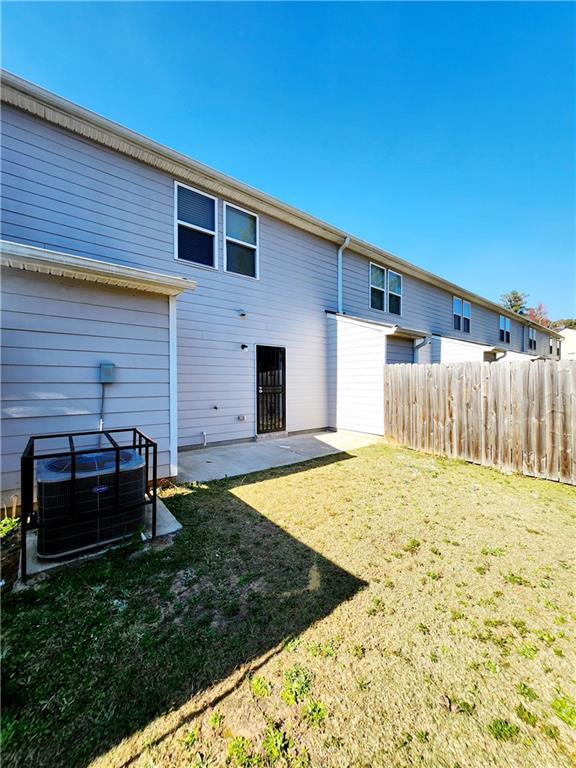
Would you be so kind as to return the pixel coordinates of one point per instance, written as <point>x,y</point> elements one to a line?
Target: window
<point>241,254</point>
<point>531,338</point>
<point>505,328</point>
<point>558,351</point>
<point>385,294</point>
<point>554,345</point>
<point>377,287</point>
<point>394,293</point>
<point>196,226</point>
<point>462,312</point>
<point>551,342</point>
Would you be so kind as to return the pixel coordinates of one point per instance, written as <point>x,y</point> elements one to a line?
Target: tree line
<point>516,301</point>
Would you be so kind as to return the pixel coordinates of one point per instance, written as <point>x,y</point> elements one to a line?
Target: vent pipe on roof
<point>339,302</point>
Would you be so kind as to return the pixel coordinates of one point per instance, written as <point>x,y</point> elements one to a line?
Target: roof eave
<point>48,106</point>
<point>57,264</point>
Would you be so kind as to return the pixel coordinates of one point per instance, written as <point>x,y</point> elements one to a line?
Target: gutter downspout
<point>425,340</point>
<point>339,300</point>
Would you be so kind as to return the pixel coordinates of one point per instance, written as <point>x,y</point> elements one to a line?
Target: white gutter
<point>340,292</point>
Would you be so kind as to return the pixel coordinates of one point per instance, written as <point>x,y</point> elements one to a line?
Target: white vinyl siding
<point>356,353</point>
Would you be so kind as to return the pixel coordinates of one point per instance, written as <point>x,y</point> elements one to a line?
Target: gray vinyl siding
<point>399,350</point>
<point>428,308</point>
<point>55,331</point>
<point>69,195</point>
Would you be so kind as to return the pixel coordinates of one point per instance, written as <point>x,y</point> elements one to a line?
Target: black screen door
<point>270,389</point>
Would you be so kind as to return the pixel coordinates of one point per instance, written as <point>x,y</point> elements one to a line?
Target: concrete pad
<point>216,462</point>
<point>166,524</point>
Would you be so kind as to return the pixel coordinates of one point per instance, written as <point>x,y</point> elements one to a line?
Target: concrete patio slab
<point>166,524</point>
<point>216,462</point>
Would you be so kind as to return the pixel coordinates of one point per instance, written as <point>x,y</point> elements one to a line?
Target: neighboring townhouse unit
<point>227,313</point>
<point>568,349</point>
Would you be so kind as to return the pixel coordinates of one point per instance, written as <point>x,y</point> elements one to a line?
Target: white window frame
<point>255,248</point>
<point>507,329</point>
<point>386,290</point>
<point>400,295</point>
<point>178,223</point>
<point>377,287</point>
<point>532,343</point>
<point>462,315</point>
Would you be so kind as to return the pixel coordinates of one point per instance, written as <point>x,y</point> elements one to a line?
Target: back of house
<point>226,314</point>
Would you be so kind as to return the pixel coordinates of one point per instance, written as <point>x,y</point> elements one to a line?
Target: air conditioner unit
<point>86,513</point>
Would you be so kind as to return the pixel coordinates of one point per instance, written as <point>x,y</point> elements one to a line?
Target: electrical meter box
<point>107,373</point>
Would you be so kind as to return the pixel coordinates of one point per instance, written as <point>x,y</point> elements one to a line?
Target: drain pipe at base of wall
<point>339,301</point>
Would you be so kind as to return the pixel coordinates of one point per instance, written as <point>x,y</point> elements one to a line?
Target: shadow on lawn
<point>97,653</point>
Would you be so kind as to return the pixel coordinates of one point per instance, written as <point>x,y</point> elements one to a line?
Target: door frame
<point>255,387</point>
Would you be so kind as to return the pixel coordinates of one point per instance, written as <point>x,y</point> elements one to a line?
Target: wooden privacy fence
<point>514,416</point>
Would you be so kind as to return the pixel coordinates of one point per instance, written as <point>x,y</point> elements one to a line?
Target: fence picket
<point>514,416</point>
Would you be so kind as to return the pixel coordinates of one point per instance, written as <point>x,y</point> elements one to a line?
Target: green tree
<point>567,322</point>
<point>514,301</point>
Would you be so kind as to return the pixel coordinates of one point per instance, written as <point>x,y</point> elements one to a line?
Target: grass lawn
<point>378,608</point>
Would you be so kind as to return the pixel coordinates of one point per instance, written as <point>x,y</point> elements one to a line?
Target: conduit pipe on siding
<point>339,301</point>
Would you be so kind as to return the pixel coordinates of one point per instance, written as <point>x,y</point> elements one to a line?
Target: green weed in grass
<point>492,551</point>
<point>260,687</point>
<point>7,525</point>
<point>525,715</point>
<point>297,684</point>
<point>277,743</point>
<point>240,753</point>
<point>216,720</point>
<point>434,575</point>
<point>358,651</point>
<point>325,650</point>
<point>515,578</point>
<point>411,546</point>
<point>315,712</point>
<point>191,738</point>
<point>503,730</point>
<point>528,651</point>
<point>552,731</point>
<point>526,691</point>
<point>378,606</point>
<point>565,708</point>
<point>466,707</point>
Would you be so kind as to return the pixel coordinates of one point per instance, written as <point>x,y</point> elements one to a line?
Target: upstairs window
<point>462,313</point>
<point>241,250</point>
<point>505,328</point>
<point>377,287</point>
<point>196,226</point>
<point>551,344</point>
<point>531,338</point>
<point>394,293</point>
<point>385,290</point>
<point>558,351</point>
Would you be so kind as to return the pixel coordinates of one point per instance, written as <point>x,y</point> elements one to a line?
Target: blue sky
<point>443,132</point>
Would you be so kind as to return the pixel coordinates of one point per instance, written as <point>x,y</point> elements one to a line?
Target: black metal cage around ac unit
<point>90,494</point>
